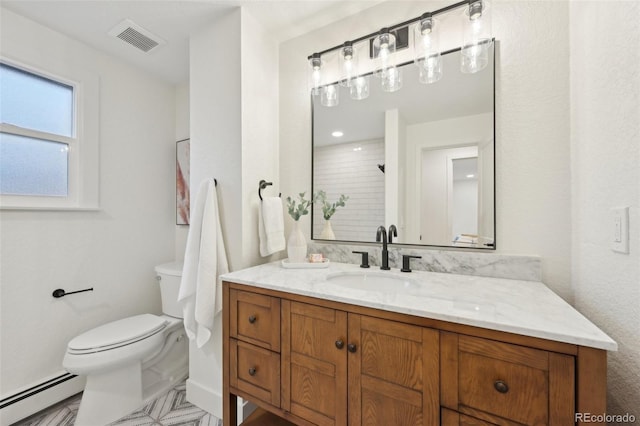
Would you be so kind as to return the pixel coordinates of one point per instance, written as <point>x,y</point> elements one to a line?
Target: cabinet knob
<point>501,386</point>
<point>351,348</point>
<point>252,319</point>
<point>339,344</point>
<point>252,371</point>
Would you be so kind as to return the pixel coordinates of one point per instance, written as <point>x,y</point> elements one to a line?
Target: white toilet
<point>132,360</point>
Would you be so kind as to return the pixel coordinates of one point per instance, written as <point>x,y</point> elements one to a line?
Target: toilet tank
<point>169,276</point>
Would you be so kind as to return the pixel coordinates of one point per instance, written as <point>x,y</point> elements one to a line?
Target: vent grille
<point>136,36</point>
<point>137,39</point>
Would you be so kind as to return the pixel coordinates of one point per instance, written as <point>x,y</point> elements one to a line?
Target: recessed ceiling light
<point>337,134</point>
<point>471,176</point>
<point>358,148</point>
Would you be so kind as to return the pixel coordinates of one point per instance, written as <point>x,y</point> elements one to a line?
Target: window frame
<point>82,166</point>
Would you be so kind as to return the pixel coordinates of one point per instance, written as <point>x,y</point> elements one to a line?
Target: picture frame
<point>182,182</point>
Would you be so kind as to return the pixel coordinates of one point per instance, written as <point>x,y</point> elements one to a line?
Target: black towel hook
<point>262,185</point>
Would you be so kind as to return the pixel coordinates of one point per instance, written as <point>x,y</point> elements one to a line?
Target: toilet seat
<point>117,334</point>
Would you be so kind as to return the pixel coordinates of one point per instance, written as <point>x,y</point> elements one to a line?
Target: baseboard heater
<point>35,389</point>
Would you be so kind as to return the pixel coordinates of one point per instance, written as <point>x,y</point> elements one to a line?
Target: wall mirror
<point>421,158</point>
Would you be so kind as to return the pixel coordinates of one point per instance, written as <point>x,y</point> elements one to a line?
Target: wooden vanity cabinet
<point>316,362</point>
<point>342,368</point>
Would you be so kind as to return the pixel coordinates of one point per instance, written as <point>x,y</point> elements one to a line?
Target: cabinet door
<point>314,363</point>
<point>393,373</point>
<point>505,383</point>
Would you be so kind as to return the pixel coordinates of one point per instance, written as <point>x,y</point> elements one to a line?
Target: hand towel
<point>271,226</point>
<point>205,260</point>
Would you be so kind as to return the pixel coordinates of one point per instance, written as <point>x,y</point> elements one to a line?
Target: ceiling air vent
<point>136,36</point>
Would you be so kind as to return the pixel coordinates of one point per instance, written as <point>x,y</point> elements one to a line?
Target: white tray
<point>305,265</point>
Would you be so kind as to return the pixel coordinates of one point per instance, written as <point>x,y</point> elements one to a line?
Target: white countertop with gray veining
<point>522,307</point>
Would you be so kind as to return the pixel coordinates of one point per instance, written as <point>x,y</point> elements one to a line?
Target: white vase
<point>327,231</point>
<point>297,245</point>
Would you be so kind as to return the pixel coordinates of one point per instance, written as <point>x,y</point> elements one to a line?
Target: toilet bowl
<point>133,360</point>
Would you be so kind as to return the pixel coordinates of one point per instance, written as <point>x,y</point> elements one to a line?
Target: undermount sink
<point>372,281</point>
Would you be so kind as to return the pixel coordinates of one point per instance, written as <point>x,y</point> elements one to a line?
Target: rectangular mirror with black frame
<point>421,158</point>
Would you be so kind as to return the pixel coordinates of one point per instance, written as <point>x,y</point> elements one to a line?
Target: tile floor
<point>169,409</point>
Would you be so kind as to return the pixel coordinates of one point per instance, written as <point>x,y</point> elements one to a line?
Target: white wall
<point>341,170</point>
<point>113,249</point>
<point>233,125</point>
<point>605,151</point>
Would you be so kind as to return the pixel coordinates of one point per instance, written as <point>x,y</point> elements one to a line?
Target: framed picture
<point>182,182</point>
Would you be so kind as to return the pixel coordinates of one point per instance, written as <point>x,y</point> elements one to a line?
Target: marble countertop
<point>528,308</point>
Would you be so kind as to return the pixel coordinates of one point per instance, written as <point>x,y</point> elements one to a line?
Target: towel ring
<point>262,185</point>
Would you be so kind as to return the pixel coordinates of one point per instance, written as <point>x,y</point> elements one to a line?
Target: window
<point>46,161</point>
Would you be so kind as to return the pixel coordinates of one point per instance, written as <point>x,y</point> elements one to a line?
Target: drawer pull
<point>252,319</point>
<point>252,371</point>
<point>339,344</point>
<point>351,348</point>
<point>501,386</point>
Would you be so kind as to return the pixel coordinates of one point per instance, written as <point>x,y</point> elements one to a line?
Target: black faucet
<point>393,232</point>
<point>381,235</point>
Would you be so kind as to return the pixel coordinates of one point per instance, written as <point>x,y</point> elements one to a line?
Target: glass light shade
<point>330,95</point>
<point>430,69</point>
<point>426,47</point>
<point>477,37</point>
<point>392,79</point>
<point>348,64</point>
<point>359,88</point>
<point>316,76</point>
<point>384,47</point>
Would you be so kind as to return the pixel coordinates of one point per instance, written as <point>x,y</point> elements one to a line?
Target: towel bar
<point>262,185</point>
<point>57,293</point>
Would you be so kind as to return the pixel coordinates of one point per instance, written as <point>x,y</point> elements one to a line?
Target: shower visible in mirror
<point>405,158</point>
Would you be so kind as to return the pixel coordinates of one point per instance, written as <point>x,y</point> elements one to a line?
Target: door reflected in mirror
<point>421,158</point>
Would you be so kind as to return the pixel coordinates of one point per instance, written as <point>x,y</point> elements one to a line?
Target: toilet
<point>133,360</point>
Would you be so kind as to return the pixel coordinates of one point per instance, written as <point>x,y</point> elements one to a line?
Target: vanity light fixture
<point>315,61</point>
<point>477,38</point>
<point>476,41</point>
<point>348,63</point>
<point>427,53</point>
<point>384,47</point>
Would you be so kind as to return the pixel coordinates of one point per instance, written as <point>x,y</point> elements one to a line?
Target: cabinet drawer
<point>255,370</point>
<point>255,319</point>
<point>506,380</point>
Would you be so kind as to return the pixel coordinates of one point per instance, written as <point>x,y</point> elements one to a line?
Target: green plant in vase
<point>328,210</point>
<point>297,243</point>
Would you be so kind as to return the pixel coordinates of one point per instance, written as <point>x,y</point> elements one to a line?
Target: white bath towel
<point>204,261</point>
<point>271,226</point>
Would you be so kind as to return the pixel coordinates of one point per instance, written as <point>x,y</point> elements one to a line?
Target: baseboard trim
<point>208,400</point>
<point>38,396</point>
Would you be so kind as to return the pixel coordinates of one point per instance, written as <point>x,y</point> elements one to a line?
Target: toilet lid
<point>118,333</point>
